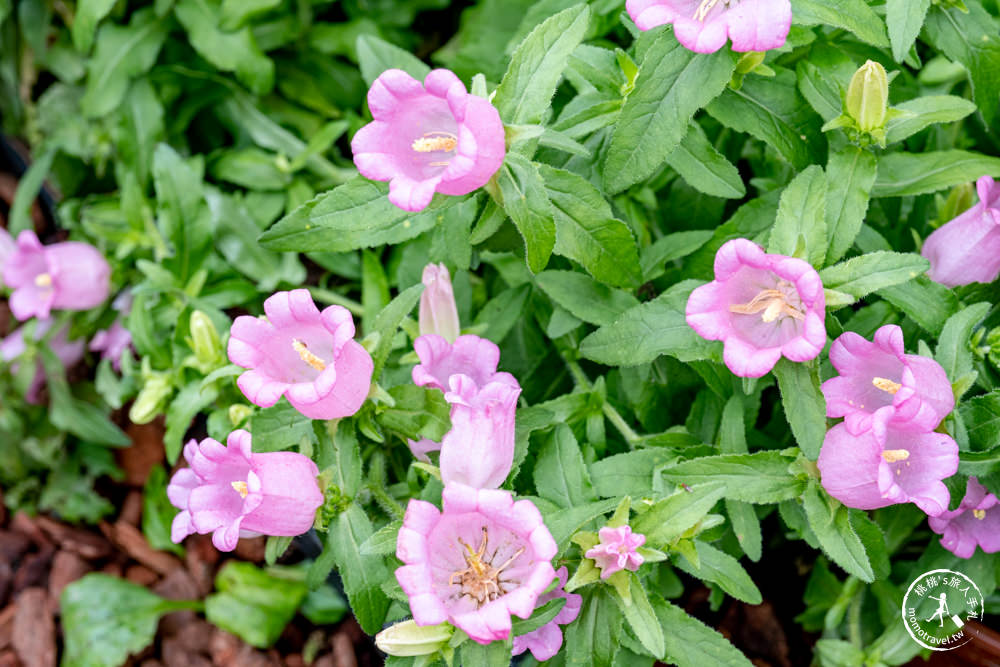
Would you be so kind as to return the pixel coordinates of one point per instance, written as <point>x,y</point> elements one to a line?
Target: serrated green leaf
<point>383,541</point>
<point>758,478</point>
<point>902,174</point>
<point>904,18</point>
<point>801,220</point>
<point>804,405</point>
<point>864,274</point>
<point>853,15</point>
<point>592,639</point>
<point>630,473</point>
<point>560,473</point>
<point>691,643</point>
<point>850,176</point>
<point>954,350</point>
<point>832,527</point>
<point>526,201</point>
<point>584,297</point>
<point>674,515</point>
<point>376,56</point>
<point>641,617</point>
<point>926,302</point>
<point>704,168</point>
<point>923,112</point>
<point>720,568</point>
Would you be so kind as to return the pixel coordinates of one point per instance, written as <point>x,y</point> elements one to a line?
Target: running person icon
<point>942,609</point>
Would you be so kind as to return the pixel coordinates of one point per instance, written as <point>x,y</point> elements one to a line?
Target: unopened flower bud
<point>409,639</point>
<point>438,313</point>
<point>868,96</point>
<point>749,61</point>
<point>151,400</point>
<point>205,338</point>
<point>238,413</point>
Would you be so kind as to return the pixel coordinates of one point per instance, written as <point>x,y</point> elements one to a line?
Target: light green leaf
<point>584,297</point>
<point>88,14</point>
<point>926,111</point>
<point>801,221</point>
<point>237,13</point>
<point>387,323</point>
<point>902,174</point>
<point>954,351</point>
<point>524,198</point>
<point>560,473</point>
<point>720,568</point>
<point>904,19</point>
<point>669,248</point>
<point>592,639</point>
<point>926,302</point>
<point>758,478</point>
<point>376,56</point>
<point>691,643</point>
<point>853,15</point>
<point>704,168</point>
<point>630,473</point>
<point>253,604</point>
<point>674,515</point>
<point>830,521</point>
<point>850,174</point>
<point>804,405</point>
<point>641,617</point>
<point>862,275</point>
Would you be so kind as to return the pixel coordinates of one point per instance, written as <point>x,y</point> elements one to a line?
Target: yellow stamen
<point>772,302</point>
<point>979,514</point>
<point>308,356</point>
<point>43,280</point>
<point>704,8</point>
<point>241,488</point>
<point>887,385</point>
<point>435,141</point>
<point>894,455</point>
<point>480,580</point>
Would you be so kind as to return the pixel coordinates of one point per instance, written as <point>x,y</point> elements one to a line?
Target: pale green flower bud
<point>238,412</point>
<point>408,639</point>
<point>205,338</point>
<point>868,97</point>
<point>749,61</point>
<point>151,401</point>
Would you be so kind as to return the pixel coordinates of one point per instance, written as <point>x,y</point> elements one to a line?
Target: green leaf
<point>419,412</point>
<point>641,617</point>
<point>560,473</point>
<point>592,639</point>
<point>772,110</point>
<point>673,83</point>
<point>88,14</point>
<point>674,515</point>
<point>252,604</point>
<point>180,207</point>
<point>746,527</point>
<point>158,513</point>
<point>237,13</point>
<point>587,231</point>
<point>669,248</point>
<point>525,93</point>
<point>122,54</point>
<point>982,414</point>
<point>926,302</point>
<point>853,15</point>
<point>567,521</point>
<point>804,405</point>
<point>252,168</point>
<point>720,568</point>
<point>584,297</point>
<point>279,427</point>
<point>902,174</point>
<point>645,332</point>
<point>630,473</point>
<point>850,175</point>
<point>105,619</point>
<point>376,56</point>
<point>542,615</point>
<point>343,456</point>
<point>83,419</point>
<point>691,643</point>
<point>970,37</point>
<point>494,653</point>
<point>275,548</point>
<point>925,111</point>
<point>502,313</point>
<point>183,408</point>
<point>324,606</point>
<point>954,351</point>
<point>28,188</point>
<point>704,168</point>
<point>862,275</point>
<point>904,19</point>
<point>830,521</point>
<point>228,51</point>
<point>383,541</point>
<point>524,198</point>
<point>801,221</point>
<point>758,478</point>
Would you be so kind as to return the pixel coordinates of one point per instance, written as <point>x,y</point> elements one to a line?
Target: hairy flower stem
<point>631,437</point>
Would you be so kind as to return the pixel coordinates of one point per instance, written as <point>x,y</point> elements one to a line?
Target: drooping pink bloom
<point>231,492</point>
<point>470,361</point>
<point>975,522</point>
<point>428,138</point>
<point>481,559</point>
<point>67,276</point>
<point>309,357</point>
<point>478,451</point>
<point>762,306</point>
<point>114,342</point>
<point>13,346</point>
<point>879,377</point>
<point>884,466</point>
<point>546,641</point>
<point>704,25</point>
<point>967,249</point>
<point>438,312</point>
<point>617,550</point>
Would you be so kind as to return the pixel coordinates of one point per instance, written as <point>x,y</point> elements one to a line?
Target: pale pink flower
<point>704,25</point>
<point>878,377</point>
<point>61,276</point>
<point>975,522</point>
<point>309,357</point>
<point>762,306</point>
<point>13,346</point>
<point>546,641</point>
<point>462,367</point>
<point>967,249</point>
<point>481,559</point>
<point>438,312</point>
<point>478,451</point>
<point>618,550</point>
<point>428,138</point>
<point>7,247</point>
<point>231,492</point>
<point>114,342</point>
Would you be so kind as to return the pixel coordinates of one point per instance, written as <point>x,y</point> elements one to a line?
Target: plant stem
<point>631,437</point>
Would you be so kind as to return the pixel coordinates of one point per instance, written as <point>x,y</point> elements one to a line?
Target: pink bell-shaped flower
<point>481,559</point>
<point>309,357</point>
<point>617,550</point>
<point>975,522</point>
<point>438,312</point>
<point>428,138</point>
<point>704,25</point>
<point>69,352</point>
<point>884,466</point>
<point>762,306</point>
<point>967,249</point>
<point>472,357</point>
<point>879,377</point>
<point>231,492</point>
<point>478,451</point>
<point>546,641</point>
<point>61,276</point>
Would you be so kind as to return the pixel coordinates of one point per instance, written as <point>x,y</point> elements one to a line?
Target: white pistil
<point>705,7</point>
<point>43,280</point>
<point>240,488</point>
<point>887,385</point>
<point>895,455</point>
<point>435,141</point>
<point>308,356</point>
<point>979,514</point>
<point>773,303</point>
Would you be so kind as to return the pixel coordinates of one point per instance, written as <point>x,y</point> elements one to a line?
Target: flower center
<point>979,514</point>
<point>308,356</point>
<point>774,303</point>
<point>435,141</point>
<point>240,488</point>
<point>886,385</point>
<point>43,280</point>
<point>706,6</point>
<point>895,455</point>
<point>480,580</point>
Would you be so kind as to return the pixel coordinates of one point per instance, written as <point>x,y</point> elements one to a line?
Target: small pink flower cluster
<point>886,450</point>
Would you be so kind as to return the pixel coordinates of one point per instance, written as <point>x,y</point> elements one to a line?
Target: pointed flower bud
<point>408,639</point>
<point>868,97</point>
<point>438,313</point>
<point>205,339</point>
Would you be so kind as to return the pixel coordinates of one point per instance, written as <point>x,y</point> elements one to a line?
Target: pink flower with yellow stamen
<point>976,522</point>
<point>705,25</point>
